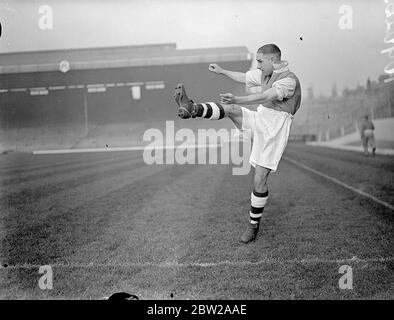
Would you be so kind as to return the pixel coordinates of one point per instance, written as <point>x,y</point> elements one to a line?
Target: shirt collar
<point>281,67</point>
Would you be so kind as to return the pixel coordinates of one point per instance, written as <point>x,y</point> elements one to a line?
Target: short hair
<point>270,48</point>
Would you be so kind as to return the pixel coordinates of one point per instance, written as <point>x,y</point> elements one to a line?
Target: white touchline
<point>264,261</point>
<point>116,149</point>
<point>358,191</point>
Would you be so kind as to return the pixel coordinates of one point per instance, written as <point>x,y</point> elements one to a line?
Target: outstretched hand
<point>227,98</point>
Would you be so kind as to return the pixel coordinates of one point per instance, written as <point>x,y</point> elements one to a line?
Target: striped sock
<point>210,110</point>
<point>258,201</point>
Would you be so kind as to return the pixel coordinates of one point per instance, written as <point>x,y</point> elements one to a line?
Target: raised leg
<point>209,110</point>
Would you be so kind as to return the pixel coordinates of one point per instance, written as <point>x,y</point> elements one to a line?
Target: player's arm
<point>233,75</point>
<point>259,98</point>
<point>256,98</point>
<point>281,89</point>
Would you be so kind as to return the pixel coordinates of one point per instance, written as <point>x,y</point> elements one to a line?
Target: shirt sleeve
<point>284,87</point>
<point>253,78</point>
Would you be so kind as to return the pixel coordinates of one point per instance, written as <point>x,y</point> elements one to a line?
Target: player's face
<point>265,63</point>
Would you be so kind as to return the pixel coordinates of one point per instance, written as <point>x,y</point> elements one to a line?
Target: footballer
<point>277,91</point>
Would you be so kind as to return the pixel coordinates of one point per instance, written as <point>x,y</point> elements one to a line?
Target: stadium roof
<point>117,57</point>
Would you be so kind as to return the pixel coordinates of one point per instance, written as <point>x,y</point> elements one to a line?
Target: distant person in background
<point>367,136</point>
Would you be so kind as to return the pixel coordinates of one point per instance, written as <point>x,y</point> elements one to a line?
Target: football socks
<point>258,201</point>
<point>210,110</point>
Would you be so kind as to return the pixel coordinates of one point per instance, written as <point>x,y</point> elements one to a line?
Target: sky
<point>326,54</point>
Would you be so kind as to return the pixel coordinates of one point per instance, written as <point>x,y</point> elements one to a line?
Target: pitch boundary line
<point>343,184</point>
<point>137,148</point>
<point>204,264</point>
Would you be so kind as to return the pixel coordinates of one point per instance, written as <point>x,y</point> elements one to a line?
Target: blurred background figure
<point>367,135</point>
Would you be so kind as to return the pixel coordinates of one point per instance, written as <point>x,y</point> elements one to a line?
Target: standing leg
<point>259,198</point>
<point>373,145</point>
<point>216,111</point>
<point>365,145</point>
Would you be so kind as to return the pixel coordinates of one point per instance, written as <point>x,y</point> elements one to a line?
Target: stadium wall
<point>64,102</point>
<point>47,109</point>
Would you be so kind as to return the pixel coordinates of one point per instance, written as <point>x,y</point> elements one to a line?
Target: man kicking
<point>279,96</point>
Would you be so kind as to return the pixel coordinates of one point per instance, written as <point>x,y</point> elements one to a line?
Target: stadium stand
<point>332,117</point>
<point>87,97</point>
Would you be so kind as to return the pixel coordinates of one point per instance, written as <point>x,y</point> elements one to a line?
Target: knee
<point>233,110</point>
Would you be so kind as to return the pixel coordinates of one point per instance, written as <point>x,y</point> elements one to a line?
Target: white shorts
<point>368,133</point>
<point>270,131</point>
